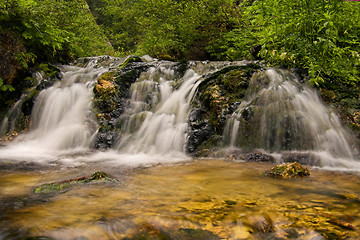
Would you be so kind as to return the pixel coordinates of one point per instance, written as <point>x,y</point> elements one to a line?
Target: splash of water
<point>156,121</point>
<point>280,114</point>
<point>61,119</point>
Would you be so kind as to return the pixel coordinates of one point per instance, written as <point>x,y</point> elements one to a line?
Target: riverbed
<point>192,199</point>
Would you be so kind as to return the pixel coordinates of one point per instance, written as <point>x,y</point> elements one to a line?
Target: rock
<point>105,92</point>
<point>342,224</point>
<point>151,232</point>
<point>110,98</point>
<point>221,92</point>
<point>200,130</point>
<point>49,74</point>
<point>190,234</point>
<point>130,59</point>
<point>301,157</point>
<point>259,157</point>
<point>288,170</point>
<point>198,136</point>
<point>283,234</point>
<point>105,139</point>
<point>64,184</point>
<point>262,224</point>
<point>255,50</point>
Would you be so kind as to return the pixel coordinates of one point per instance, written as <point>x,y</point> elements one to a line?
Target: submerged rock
<point>305,158</point>
<point>167,234</point>
<point>288,170</point>
<point>259,157</point>
<point>64,184</point>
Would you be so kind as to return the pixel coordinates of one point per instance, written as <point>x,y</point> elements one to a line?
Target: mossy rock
<point>219,90</point>
<point>105,93</point>
<point>288,170</point>
<point>64,184</point>
<point>130,59</point>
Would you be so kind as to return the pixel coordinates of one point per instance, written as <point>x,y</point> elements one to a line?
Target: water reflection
<point>226,200</point>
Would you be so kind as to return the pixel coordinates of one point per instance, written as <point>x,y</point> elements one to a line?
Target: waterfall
<point>62,119</point>
<point>9,122</point>
<point>156,120</point>
<point>281,114</point>
<point>278,114</point>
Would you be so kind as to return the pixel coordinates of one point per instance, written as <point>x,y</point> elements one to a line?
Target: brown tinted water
<point>200,199</point>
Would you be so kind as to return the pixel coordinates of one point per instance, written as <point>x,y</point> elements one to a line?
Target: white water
<point>286,116</point>
<point>156,121</point>
<point>283,115</point>
<point>63,125</point>
<point>62,119</point>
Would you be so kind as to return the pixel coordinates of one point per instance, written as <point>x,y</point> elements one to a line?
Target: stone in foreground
<point>61,185</point>
<point>289,170</point>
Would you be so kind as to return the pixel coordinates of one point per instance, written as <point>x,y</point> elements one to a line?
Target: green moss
<point>130,59</point>
<point>289,170</point>
<point>106,93</point>
<point>47,69</point>
<point>60,185</point>
<point>221,89</point>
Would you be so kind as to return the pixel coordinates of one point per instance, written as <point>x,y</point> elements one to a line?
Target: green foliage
<point>53,30</point>
<point>319,36</point>
<point>176,28</point>
<point>5,87</point>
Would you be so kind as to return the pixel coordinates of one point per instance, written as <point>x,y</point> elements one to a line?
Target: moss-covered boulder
<point>218,96</point>
<point>110,98</point>
<point>65,184</point>
<point>288,170</point>
<point>105,100</point>
<point>130,59</point>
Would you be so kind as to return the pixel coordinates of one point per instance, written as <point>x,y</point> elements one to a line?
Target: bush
<point>319,36</point>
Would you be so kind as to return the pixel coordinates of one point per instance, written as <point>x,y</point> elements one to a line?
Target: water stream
<point>281,114</point>
<point>163,193</point>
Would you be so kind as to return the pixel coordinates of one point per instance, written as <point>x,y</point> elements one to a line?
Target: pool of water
<point>196,199</point>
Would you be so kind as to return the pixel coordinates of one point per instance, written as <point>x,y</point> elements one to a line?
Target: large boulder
<point>219,95</point>
<point>110,98</point>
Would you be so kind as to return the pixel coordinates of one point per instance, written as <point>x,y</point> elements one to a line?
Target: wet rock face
<point>302,158</point>
<point>200,130</point>
<point>219,95</point>
<point>110,98</point>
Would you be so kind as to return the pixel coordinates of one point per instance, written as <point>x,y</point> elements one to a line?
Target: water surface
<point>232,200</point>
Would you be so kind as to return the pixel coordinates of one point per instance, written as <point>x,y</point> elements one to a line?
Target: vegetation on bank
<point>33,32</point>
<point>319,36</point>
<point>53,30</point>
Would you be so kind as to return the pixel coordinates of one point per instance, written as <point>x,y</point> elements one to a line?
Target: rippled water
<point>229,199</point>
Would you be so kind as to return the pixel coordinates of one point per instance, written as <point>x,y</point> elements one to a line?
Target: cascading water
<point>280,114</point>
<point>156,120</point>
<point>13,115</point>
<point>62,118</point>
<point>60,198</point>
